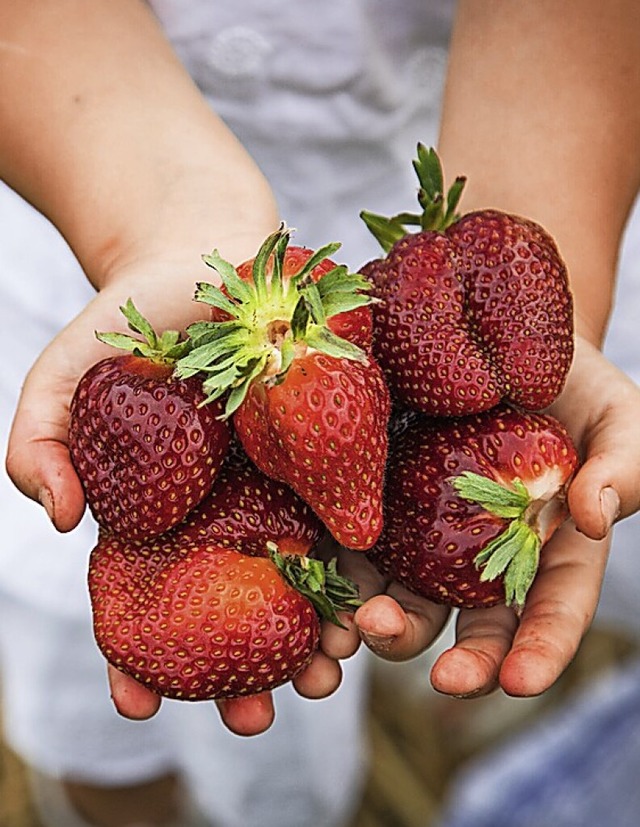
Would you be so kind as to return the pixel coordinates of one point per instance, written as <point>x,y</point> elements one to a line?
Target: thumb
<point>38,460</point>
<point>594,502</point>
<point>601,405</point>
<point>607,486</point>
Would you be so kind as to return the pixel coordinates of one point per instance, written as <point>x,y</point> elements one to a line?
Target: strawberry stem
<point>269,318</point>
<point>438,211</point>
<point>515,553</point>
<point>328,591</point>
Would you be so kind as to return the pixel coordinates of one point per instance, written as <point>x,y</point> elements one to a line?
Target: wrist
<point>168,233</point>
<point>161,280</point>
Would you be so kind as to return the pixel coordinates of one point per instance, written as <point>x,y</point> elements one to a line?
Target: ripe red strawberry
<point>196,622</point>
<point>309,406</point>
<point>144,450</point>
<point>473,310</point>
<point>471,502</point>
<point>320,431</point>
<point>247,510</point>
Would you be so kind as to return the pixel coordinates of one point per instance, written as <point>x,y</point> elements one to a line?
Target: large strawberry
<point>247,510</point>
<point>471,502</point>
<point>309,406</point>
<point>474,309</point>
<point>196,622</point>
<point>144,448</point>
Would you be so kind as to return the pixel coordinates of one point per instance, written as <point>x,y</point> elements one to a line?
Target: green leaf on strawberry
<point>269,319</point>
<point>321,584</point>
<point>515,553</point>
<point>438,209</point>
<point>164,349</point>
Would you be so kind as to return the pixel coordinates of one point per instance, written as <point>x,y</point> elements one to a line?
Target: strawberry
<point>247,509</point>
<point>199,621</point>
<point>470,503</point>
<point>144,449</point>
<point>474,309</point>
<point>309,406</point>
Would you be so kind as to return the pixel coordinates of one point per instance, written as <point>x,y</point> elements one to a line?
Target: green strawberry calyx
<point>514,554</point>
<point>164,349</point>
<point>438,210</point>
<point>328,591</point>
<point>271,320</point>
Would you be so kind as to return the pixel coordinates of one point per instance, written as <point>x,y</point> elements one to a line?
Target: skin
<point>543,66</point>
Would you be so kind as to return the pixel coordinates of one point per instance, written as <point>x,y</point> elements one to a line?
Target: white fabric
<point>54,808</point>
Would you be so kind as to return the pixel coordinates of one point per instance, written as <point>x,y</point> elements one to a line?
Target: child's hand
<point>494,647</point>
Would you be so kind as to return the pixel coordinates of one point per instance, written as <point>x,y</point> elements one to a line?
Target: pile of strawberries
<point>394,411</point>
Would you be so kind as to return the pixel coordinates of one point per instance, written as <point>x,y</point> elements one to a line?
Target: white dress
<point>331,99</point>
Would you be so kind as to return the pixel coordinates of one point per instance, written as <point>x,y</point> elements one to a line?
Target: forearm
<point>542,113</point>
<point>104,132</point>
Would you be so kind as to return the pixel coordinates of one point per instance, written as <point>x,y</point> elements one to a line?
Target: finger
<point>131,699</point>
<point>340,643</point>
<point>247,716</point>
<point>607,485</point>
<point>605,427</point>
<point>42,470</point>
<point>558,612</point>
<point>320,679</point>
<point>38,459</point>
<point>398,626</point>
<point>472,666</point>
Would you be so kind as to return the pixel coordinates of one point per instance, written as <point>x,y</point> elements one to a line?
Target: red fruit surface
<point>322,430</point>
<point>423,336</point>
<point>246,509</point>
<point>476,314</point>
<point>432,535</point>
<point>146,454</point>
<point>198,622</point>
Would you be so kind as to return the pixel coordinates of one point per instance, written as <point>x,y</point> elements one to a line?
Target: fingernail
<point>468,696</point>
<point>609,506</point>
<point>45,498</point>
<point>379,643</point>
